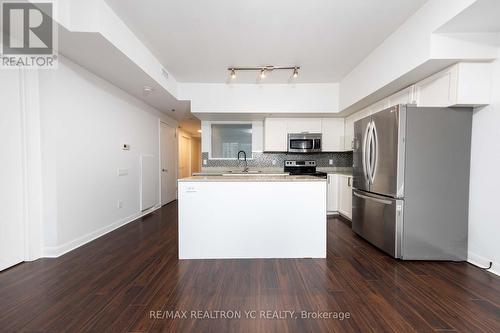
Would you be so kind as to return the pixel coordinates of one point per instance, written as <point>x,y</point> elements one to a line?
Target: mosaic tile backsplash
<point>265,160</point>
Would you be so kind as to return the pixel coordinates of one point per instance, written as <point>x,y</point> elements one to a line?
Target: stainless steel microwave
<point>304,143</point>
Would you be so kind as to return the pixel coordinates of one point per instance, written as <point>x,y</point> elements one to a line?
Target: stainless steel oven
<point>304,143</point>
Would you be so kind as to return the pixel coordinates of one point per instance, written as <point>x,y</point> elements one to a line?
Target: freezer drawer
<point>379,220</point>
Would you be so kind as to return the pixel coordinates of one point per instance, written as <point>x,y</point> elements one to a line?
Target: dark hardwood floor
<point>114,283</point>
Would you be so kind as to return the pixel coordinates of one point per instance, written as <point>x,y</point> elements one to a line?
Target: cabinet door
<point>349,132</point>
<point>404,96</point>
<point>333,193</point>
<point>377,107</point>
<point>349,126</point>
<point>438,90</point>
<point>275,134</point>
<point>333,134</point>
<point>304,125</point>
<point>345,202</point>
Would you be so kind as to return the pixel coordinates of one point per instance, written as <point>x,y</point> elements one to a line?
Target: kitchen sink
<point>249,172</point>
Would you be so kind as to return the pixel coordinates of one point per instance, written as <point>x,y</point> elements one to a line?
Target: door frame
<point>176,157</point>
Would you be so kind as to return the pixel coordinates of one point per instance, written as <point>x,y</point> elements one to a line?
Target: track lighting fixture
<point>264,70</point>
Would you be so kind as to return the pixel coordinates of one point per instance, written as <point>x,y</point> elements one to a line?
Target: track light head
<point>262,73</point>
<point>295,72</point>
<point>233,74</point>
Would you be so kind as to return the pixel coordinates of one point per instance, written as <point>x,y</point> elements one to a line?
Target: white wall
<point>84,122</point>
<point>484,222</point>
<point>11,170</point>
<point>261,98</point>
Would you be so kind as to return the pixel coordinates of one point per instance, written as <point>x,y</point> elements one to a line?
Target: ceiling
<point>481,16</point>
<point>197,40</point>
<point>191,125</point>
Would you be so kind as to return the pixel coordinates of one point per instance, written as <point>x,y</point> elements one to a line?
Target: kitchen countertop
<point>341,173</point>
<point>270,171</point>
<point>253,178</point>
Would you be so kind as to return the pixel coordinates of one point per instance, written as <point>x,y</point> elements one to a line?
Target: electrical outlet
<point>204,162</point>
<point>274,162</point>
<point>120,204</point>
<point>330,162</point>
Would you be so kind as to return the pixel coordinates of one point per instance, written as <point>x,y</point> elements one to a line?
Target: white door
<point>11,172</point>
<point>168,164</point>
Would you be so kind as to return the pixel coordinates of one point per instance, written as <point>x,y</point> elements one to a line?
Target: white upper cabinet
<point>405,96</point>
<point>333,134</point>
<point>463,84</point>
<point>304,125</point>
<point>349,124</point>
<point>275,134</point>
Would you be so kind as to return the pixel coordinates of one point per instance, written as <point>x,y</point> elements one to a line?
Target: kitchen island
<point>252,216</point>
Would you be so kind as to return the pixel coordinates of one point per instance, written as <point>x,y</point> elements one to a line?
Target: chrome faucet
<point>245,169</point>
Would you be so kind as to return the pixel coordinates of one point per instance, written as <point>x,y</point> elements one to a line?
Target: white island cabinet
<point>252,217</point>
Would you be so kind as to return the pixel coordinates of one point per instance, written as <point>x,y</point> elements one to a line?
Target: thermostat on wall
<point>126,146</point>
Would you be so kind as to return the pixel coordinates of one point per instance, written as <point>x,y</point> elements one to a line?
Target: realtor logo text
<point>28,38</point>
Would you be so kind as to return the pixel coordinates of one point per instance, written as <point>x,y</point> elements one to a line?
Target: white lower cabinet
<point>339,195</point>
<point>332,201</point>
<point>345,196</point>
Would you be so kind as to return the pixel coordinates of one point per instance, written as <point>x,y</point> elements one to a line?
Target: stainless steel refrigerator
<point>411,181</point>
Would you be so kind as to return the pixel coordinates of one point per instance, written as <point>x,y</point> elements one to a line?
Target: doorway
<point>184,155</point>
<point>168,164</point>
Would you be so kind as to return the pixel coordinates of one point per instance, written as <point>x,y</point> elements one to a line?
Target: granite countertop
<point>270,171</point>
<point>253,178</point>
<point>337,171</point>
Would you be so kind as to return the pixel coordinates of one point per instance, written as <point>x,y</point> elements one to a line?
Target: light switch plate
<point>122,172</point>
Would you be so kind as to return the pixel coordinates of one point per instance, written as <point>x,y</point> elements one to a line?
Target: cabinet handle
<point>349,181</point>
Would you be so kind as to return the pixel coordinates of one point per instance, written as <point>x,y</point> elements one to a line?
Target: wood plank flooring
<point>115,282</point>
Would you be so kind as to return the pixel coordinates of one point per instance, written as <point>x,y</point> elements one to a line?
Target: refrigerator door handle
<point>373,167</point>
<point>369,152</point>
<point>366,151</point>
<point>382,201</point>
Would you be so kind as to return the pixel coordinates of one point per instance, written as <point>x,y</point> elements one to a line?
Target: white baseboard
<point>57,251</point>
<point>481,261</point>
